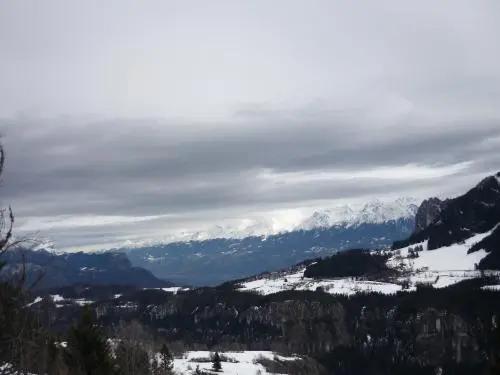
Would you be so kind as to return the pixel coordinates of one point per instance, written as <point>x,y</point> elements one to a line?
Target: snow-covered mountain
<point>373,212</point>
<point>347,215</point>
<point>438,268</point>
<point>461,243</point>
<point>232,254</point>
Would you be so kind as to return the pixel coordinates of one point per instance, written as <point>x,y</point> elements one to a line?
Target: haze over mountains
<point>374,211</point>
<point>238,254</point>
<point>228,253</point>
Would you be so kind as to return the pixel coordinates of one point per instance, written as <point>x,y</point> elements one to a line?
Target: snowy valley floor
<point>238,363</point>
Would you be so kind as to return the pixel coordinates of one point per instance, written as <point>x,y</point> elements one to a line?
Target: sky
<point>128,121</point>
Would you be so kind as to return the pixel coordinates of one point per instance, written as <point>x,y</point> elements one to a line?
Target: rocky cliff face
<point>477,211</point>
<point>428,211</point>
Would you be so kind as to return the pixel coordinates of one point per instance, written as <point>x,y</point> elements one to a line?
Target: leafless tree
<point>23,345</point>
<point>134,349</point>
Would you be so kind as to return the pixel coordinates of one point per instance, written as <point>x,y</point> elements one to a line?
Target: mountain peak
<point>492,181</point>
<point>378,211</point>
<point>375,211</point>
<point>477,211</point>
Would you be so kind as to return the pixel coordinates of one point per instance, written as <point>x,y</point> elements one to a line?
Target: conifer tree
<point>494,360</point>
<point>88,351</point>
<point>216,362</point>
<point>166,361</point>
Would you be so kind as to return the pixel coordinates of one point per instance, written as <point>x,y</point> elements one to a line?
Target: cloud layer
<point>143,119</point>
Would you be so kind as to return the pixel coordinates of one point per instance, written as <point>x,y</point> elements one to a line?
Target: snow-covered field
<point>440,267</point>
<point>241,363</point>
<point>449,258</point>
<point>297,281</point>
<point>174,289</point>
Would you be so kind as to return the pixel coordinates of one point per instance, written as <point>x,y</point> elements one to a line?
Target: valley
<point>411,306</point>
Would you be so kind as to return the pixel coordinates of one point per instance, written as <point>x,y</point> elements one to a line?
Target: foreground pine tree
<point>494,360</point>
<point>216,362</point>
<point>88,351</point>
<point>166,361</point>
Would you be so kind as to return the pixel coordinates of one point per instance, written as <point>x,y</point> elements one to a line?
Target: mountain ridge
<point>213,261</point>
<point>373,211</point>
<point>45,269</point>
<point>476,211</point>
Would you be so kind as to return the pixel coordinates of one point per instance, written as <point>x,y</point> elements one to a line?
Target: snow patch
<point>240,363</point>
<point>297,281</point>
<point>440,268</point>
<point>174,289</point>
<point>448,258</point>
<point>495,288</point>
<point>57,297</point>
<point>37,300</point>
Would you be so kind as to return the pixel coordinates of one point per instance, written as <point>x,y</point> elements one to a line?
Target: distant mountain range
<point>206,262</point>
<point>45,269</point>
<point>375,211</point>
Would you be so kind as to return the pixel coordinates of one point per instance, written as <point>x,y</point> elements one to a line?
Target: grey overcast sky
<point>129,120</point>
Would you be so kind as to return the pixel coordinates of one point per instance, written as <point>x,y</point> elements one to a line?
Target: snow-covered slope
<point>276,283</point>
<point>440,268</point>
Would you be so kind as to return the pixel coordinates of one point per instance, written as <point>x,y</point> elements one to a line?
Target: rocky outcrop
<point>427,212</point>
<point>477,211</point>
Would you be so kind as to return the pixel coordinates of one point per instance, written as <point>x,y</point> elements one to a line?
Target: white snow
<point>36,300</point>
<point>82,301</point>
<point>242,363</point>
<point>297,281</point>
<point>63,301</point>
<point>449,258</point>
<point>444,266</point>
<point>375,211</point>
<point>174,289</point>
<point>440,267</point>
<point>171,289</point>
<point>495,288</point>
<point>6,368</point>
<point>57,297</point>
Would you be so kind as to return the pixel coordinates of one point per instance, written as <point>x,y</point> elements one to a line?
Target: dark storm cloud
<point>224,110</point>
<point>145,167</point>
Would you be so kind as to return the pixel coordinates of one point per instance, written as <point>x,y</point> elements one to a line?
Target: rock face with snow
<point>427,212</point>
<point>461,243</point>
<point>373,212</point>
<point>477,211</point>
